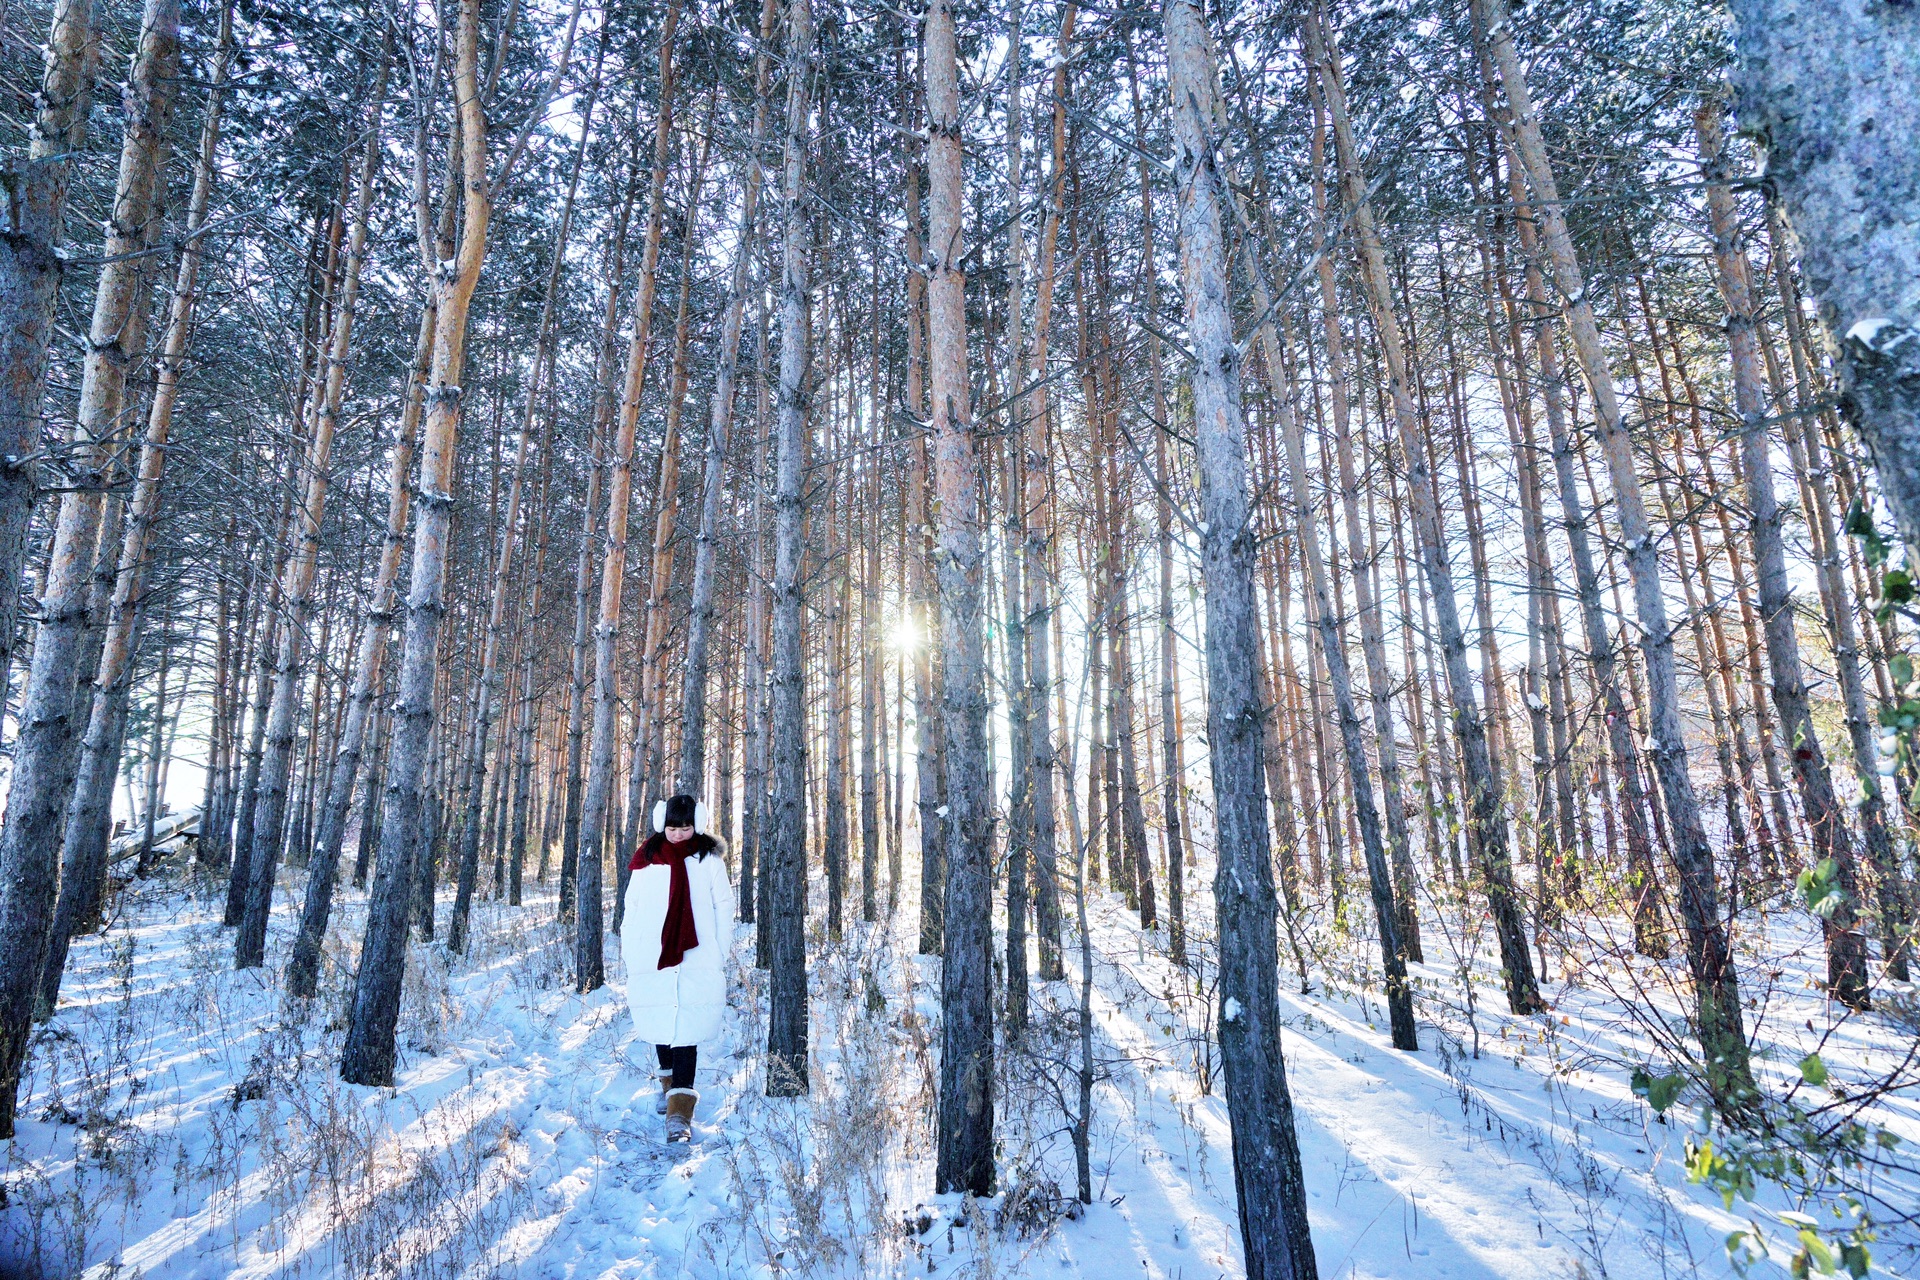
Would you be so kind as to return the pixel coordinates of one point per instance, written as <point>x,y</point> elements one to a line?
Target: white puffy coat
<point>683,1004</point>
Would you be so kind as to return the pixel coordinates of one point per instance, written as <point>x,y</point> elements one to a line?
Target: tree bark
<point>1716,986</point>
<point>1173,765</point>
<point>83,869</point>
<point>965,1129</point>
<point>1393,956</point>
<point>1020,776</point>
<point>1847,975</point>
<point>1270,1187</point>
<point>1647,901</point>
<point>1373,647</point>
<point>297,589</point>
<point>785,872</point>
<point>1811,459</point>
<point>589,895</point>
<point>38,790</point>
<point>923,595</point>
<point>603,407</point>
<point>693,699</point>
<point>1041,591</point>
<point>484,698</point>
<point>368,1054</point>
<point>265,646</point>
<point>758,641</point>
<point>31,267</point>
<point>1828,93</point>
<point>646,773</point>
<point>1484,798</point>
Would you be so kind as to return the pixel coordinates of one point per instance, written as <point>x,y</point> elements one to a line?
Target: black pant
<point>679,1059</point>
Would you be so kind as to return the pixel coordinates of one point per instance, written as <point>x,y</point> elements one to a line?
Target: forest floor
<point>180,1122</point>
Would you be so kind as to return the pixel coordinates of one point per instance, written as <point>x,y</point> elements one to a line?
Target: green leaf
<point>1900,666</point>
<point>1819,885</point>
<point>1812,1070</point>
<point>1897,586</point>
<point>1819,1256</point>
<point>1659,1091</point>
<point>1706,1165</point>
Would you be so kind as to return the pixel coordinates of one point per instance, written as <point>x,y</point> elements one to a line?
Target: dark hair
<point>680,812</point>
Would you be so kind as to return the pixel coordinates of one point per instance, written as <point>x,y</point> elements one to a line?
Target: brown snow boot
<point>660,1103</point>
<point>680,1114</point>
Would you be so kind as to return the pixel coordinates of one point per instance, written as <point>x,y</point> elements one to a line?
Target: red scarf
<point>678,935</point>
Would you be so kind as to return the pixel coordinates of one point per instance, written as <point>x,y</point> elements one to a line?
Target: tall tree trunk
<point>965,1128</point>
<point>1271,1189</point>
<point>368,1054</point>
<point>83,869</point>
<point>1647,902</point>
<point>484,699</point>
<point>833,658</point>
<point>872,671</point>
<point>1393,955</point>
<point>1810,459</point>
<point>1373,647</point>
<point>1037,515</point>
<point>1020,779</point>
<point>589,894</point>
<point>376,625</point>
<point>923,594</point>
<point>1489,819</point>
<point>297,589</point>
<point>265,646</point>
<point>31,267</point>
<point>1716,986</point>
<point>758,743</point>
<point>603,406</point>
<point>1509,345</point>
<point>252,617</point>
<point>372,768</point>
<point>646,773</point>
<point>523,729</point>
<point>226,661</point>
<point>693,698</point>
<point>158,748</point>
<point>38,790</point>
<point>1173,767</point>
<point>785,872</point>
<point>105,557</point>
<point>477,801</point>
<point>1846,947</point>
<point>1133,813</point>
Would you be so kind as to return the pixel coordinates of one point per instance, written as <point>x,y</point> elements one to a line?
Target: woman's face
<point>679,835</point>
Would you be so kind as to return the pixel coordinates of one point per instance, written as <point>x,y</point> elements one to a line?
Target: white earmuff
<point>699,816</point>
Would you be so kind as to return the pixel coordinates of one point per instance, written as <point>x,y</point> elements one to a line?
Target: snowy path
<point>518,1142</point>
<point>524,1144</point>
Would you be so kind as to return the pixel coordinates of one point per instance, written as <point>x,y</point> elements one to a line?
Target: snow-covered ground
<point>179,1122</point>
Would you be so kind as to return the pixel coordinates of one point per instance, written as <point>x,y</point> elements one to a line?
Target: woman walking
<point>679,921</point>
